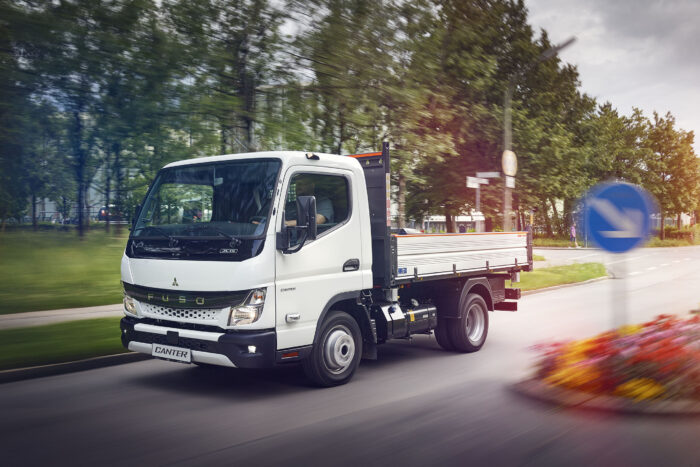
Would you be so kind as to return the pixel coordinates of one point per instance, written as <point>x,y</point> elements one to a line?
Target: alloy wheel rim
<point>339,349</point>
<point>475,324</point>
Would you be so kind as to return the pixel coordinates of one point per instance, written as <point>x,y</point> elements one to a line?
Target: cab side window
<point>332,199</point>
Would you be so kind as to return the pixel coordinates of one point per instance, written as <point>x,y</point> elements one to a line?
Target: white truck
<point>274,258</point>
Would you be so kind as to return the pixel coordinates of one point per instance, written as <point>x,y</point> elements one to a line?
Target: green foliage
<point>53,270</point>
<point>58,343</point>
<point>107,92</point>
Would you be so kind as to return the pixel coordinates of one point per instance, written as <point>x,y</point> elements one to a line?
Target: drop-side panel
<point>438,254</point>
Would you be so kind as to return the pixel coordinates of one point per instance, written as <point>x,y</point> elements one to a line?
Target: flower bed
<point>655,360</point>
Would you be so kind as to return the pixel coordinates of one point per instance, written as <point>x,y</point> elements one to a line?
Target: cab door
<point>325,267</point>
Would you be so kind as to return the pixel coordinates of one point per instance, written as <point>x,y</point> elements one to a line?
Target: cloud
<point>633,53</point>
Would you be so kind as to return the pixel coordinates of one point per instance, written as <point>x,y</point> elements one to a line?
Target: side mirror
<point>306,215</point>
<point>304,230</point>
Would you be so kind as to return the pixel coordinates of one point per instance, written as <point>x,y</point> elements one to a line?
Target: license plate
<point>171,353</point>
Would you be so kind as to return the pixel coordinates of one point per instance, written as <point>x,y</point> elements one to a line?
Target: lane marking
<point>634,273</point>
<point>584,256</point>
<point>686,259</point>
<point>665,264</point>
<point>676,261</point>
<point>651,268</point>
<point>632,258</point>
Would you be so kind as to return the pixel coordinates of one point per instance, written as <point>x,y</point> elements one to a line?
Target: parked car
<point>114,215</point>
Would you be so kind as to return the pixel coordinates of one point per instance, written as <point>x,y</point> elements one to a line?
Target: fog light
<point>252,349</point>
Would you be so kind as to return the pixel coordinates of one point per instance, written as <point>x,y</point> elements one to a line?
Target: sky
<point>632,53</point>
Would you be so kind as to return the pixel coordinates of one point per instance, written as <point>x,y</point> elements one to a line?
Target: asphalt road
<point>416,405</point>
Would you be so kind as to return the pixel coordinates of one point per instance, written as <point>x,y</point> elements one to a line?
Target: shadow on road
<point>253,384</point>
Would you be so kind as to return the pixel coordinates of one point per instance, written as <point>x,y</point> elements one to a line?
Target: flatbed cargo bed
<point>420,257</point>
<point>400,259</point>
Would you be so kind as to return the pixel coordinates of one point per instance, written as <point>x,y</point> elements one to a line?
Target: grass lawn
<point>543,241</point>
<point>52,270</point>
<point>557,275</point>
<point>538,258</point>
<point>57,343</point>
<point>653,242</point>
<point>657,242</point>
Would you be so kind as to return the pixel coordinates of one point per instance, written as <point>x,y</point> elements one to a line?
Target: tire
<point>442,335</point>
<point>337,353</point>
<point>468,333</point>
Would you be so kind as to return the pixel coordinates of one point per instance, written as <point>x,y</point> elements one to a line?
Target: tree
<point>672,168</point>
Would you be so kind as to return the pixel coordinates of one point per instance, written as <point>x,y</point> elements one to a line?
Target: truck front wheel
<point>468,333</point>
<point>336,355</point>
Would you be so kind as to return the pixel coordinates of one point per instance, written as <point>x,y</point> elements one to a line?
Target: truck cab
<point>264,259</point>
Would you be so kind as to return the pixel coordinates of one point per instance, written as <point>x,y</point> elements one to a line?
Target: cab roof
<point>287,157</point>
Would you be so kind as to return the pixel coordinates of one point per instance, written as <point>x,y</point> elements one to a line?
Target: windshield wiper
<point>233,240</point>
<point>163,233</point>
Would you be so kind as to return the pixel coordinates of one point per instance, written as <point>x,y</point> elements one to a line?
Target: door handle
<point>351,265</point>
<point>291,317</point>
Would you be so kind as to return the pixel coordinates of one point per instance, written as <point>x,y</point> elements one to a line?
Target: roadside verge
<point>44,350</point>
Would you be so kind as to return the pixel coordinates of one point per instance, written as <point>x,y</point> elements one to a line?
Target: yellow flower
<point>640,389</point>
<point>582,377</point>
<point>630,329</point>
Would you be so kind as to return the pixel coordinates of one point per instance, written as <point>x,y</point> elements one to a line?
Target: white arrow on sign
<point>628,224</point>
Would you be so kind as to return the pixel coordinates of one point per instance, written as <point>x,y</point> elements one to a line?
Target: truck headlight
<point>250,310</point>
<point>130,305</point>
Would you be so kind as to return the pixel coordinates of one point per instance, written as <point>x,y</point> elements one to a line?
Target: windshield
<point>228,200</point>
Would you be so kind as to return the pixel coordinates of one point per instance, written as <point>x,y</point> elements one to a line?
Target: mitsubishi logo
<point>175,284</point>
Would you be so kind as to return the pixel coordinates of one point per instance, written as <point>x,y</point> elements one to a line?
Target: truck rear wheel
<point>468,333</point>
<point>336,355</point>
<point>442,335</point>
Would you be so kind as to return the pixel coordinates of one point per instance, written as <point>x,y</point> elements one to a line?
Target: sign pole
<point>618,218</point>
<point>620,294</point>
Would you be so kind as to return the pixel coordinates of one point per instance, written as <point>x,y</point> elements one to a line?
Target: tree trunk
<point>662,233</point>
<point>34,226</point>
<point>521,220</point>
<point>678,221</point>
<point>223,142</point>
<point>118,194</point>
<point>555,217</point>
<point>81,202</point>
<point>402,201</point>
<point>449,221</point>
<point>108,183</point>
<point>547,223</point>
<point>80,165</point>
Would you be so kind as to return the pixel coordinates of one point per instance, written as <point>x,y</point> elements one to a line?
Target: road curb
<point>542,392</point>
<point>19,374</point>
<point>562,286</point>
<point>535,247</point>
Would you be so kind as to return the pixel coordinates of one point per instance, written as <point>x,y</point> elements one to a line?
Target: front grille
<point>181,314</point>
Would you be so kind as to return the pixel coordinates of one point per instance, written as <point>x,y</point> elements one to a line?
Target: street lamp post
<point>507,121</point>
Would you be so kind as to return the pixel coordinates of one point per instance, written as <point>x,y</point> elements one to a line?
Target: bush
<point>655,360</point>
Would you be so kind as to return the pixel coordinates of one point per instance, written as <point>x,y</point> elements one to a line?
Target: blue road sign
<point>617,216</point>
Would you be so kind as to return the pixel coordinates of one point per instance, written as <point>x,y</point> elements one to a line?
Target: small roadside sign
<point>474,182</point>
<point>509,163</point>
<point>618,216</point>
<point>510,182</point>
<point>488,174</point>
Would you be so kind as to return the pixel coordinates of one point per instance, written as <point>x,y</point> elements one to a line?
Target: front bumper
<point>216,348</point>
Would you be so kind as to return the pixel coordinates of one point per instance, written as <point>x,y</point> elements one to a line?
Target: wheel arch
<point>481,288</point>
<point>347,302</point>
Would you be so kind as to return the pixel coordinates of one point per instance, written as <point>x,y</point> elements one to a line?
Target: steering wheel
<point>257,219</point>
